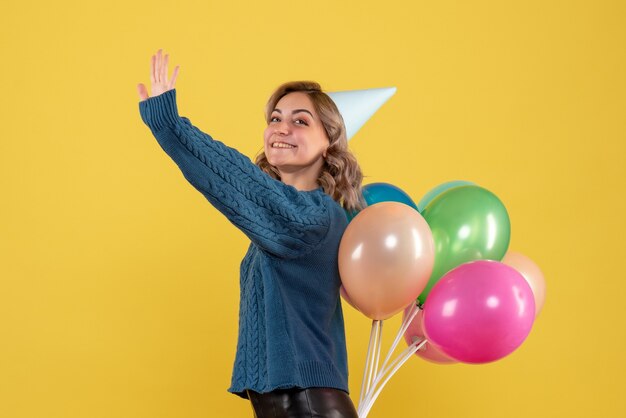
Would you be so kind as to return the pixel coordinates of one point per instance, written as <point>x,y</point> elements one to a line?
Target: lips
<point>282,144</point>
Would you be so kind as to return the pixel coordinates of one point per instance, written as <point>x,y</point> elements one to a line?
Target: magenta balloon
<point>428,351</point>
<point>479,312</point>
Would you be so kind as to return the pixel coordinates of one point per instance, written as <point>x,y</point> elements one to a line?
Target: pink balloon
<point>479,312</point>
<point>428,351</point>
<point>386,257</point>
<point>531,273</point>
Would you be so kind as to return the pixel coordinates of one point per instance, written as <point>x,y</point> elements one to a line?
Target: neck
<point>298,182</point>
<point>303,179</point>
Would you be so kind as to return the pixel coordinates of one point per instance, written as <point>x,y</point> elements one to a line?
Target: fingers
<point>157,70</point>
<point>143,92</point>
<point>160,67</point>
<point>174,75</point>
<point>164,69</point>
<point>159,74</point>
<point>152,73</point>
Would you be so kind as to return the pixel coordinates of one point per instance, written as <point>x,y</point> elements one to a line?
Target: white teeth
<point>282,145</point>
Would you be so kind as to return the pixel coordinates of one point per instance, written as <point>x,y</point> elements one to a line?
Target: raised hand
<point>158,77</point>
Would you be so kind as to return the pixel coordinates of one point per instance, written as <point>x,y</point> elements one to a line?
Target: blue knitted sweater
<point>291,328</point>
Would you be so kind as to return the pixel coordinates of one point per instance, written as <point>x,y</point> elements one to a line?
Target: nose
<point>281,128</point>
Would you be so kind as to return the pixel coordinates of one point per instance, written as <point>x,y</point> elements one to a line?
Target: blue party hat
<point>358,106</point>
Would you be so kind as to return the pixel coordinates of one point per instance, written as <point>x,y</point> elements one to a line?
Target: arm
<point>274,215</point>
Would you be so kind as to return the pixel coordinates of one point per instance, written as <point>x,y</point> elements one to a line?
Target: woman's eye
<point>274,119</point>
<point>303,122</point>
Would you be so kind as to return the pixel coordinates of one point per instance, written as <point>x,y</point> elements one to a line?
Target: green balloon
<point>468,223</point>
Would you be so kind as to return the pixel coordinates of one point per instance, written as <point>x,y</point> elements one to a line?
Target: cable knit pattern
<point>275,215</point>
<point>291,328</point>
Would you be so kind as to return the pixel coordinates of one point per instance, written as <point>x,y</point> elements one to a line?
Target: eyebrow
<point>295,111</point>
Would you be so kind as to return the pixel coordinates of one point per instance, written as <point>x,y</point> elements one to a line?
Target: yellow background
<point>119,281</point>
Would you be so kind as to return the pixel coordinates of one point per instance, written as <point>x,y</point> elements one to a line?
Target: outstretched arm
<point>276,216</point>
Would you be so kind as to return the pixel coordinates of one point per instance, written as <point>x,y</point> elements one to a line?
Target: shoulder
<point>338,218</point>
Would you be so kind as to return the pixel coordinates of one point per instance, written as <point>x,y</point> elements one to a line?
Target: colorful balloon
<point>383,192</point>
<point>346,297</point>
<point>468,223</point>
<point>531,273</point>
<point>428,351</point>
<point>479,312</point>
<point>386,256</point>
<point>433,193</point>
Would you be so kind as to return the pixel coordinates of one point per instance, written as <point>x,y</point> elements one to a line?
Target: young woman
<point>291,356</point>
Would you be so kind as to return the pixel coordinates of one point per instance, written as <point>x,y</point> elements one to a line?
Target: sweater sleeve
<point>276,216</point>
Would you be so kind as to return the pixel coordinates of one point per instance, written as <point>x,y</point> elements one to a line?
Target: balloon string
<point>378,346</point>
<point>405,324</point>
<point>373,349</point>
<point>367,363</point>
<point>368,395</point>
<point>409,349</point>
<point>376,330</point>
<point>413,349</point>
<point>408,318</point>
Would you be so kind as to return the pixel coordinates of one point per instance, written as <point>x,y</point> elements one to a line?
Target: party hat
<point>357,106</point>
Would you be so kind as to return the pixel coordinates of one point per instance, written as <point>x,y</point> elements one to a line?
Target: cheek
<point>266,136</point>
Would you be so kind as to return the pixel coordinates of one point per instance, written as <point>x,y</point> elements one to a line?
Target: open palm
<point>158,77</point>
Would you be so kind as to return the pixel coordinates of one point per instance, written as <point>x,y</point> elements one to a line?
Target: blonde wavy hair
<point>341,176</point>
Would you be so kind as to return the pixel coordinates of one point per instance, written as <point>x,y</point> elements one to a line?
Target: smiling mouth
<point>282,145</point>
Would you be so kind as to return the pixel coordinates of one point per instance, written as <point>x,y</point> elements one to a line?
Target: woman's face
<point>295,138</point>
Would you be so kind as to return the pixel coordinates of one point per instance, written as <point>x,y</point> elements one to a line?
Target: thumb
<point>143,92</point>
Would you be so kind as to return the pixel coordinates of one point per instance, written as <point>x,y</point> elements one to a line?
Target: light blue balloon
<point>383,192</point>
<point>428,197</point>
